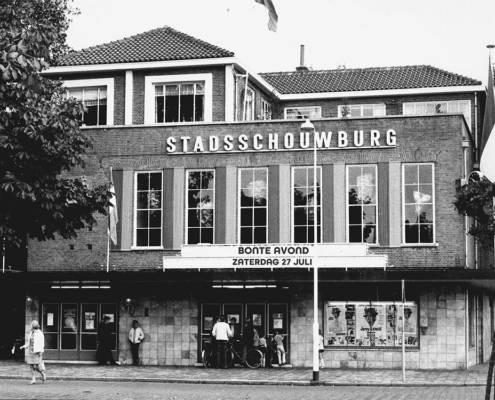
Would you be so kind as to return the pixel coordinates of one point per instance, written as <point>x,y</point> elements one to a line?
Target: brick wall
<point>434,139</point>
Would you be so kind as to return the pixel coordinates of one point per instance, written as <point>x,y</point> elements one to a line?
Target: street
<point>77,390</point>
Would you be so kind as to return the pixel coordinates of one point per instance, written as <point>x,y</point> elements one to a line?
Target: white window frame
<point>375,243</point>
<point>239,207</point>
<point>403,222</point>
<point>266,110</point>
<point>149,94</point>
<point>425,104</point>
<point>379,110</point>
<point>306,111</point>
<point>249,116</point>
<point>134,239</point>
<point>292,205</point>
<point>187,202</point>
<point>87,83</point>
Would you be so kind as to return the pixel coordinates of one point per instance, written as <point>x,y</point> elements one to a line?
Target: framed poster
<point>111,316</point>
<point>278,321</point>
<point>49,319</point>
<point>89,320</point>
<point>257,319</point>
<point>370,324</point>
<point>208,323</point>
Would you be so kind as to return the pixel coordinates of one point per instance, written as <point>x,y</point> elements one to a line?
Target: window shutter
<point>168,208</point>
<point>327,203</point>
<point>383,204</point>
<point>273,204</point>
<point>117,179</point>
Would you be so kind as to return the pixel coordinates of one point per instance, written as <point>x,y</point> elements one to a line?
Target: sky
<point>447,34</point>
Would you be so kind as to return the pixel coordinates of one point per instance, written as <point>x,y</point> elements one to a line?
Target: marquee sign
<point>358,139</point>
<point>325,255</point>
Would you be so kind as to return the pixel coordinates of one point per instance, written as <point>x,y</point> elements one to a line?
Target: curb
<point>255,382</point>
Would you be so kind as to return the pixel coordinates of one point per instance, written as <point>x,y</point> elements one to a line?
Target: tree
<point>475,199</point>
<point>40,139</point>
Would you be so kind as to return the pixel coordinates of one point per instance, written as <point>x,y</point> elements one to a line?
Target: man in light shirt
<point>136,336</point>
<point>221,332</point>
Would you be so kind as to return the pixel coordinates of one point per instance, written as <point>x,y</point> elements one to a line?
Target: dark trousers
<point>135,353</point>
<point>105,354</point>
<point>221,353</point>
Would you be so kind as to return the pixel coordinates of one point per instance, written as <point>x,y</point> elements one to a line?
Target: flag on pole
<point>273,17</point>
<point>114,218</point>
<point>487,163</point>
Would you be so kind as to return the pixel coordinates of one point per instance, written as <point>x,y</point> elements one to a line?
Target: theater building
<point>215,189</point>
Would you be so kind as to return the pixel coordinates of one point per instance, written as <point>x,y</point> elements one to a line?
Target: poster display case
<point>370,324</point>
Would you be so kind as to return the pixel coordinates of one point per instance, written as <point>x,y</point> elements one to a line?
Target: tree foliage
<point>475,200</point>
<point>40,139</point>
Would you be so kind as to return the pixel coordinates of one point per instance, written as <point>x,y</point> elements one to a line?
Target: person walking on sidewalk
<point>262,348</point>
<point>279,341</point>
<point>136,336</point>
<point>105,342</point>
<point>34,355</point>
<point>221,332</point>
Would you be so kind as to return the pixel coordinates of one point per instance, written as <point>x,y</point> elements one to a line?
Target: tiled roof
<point>161,44</point>
<point>364,79</point>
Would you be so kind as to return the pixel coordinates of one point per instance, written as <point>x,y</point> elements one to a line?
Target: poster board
<point>370,324</point>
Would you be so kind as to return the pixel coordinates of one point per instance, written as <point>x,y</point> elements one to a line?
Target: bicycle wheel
<point>253,358</point>
<point>206,359</point>
<point>230,359</point>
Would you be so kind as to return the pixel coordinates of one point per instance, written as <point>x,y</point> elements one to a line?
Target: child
<point>262,348</point>
<point>279,340</point>
<point>321,349</point>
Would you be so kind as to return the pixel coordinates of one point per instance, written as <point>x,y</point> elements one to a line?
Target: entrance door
<point>71,329</point>
<point>266,318</point>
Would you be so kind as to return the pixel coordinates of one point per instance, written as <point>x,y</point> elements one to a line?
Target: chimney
<point>302,67</point>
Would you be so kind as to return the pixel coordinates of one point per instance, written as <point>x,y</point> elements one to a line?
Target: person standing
<point>321,349</point>
<point>221,332</point>
<point>105,342</point>
<point>262,348</point>
<point>247,339</point>
<point>136,336</point>
<point>279,341</point>
<point>34,355</point>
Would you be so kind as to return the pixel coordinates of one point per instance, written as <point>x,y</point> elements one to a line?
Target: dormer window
<point>186,98</point>
<point>361,110</point>
<point>94,100</point>
<point>179,102</point>
<point>302,112</point>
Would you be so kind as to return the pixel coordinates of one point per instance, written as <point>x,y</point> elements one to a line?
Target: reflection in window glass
<point>253,205</point>
<point>362,203</point>
<point>440,107</point>
<point>419,200</point>
<point>95,103</point>
<point>200,206</point>
<point>148,226</point>
<point>303,209</point>
<point>302,112</point>
<point>179,102</point>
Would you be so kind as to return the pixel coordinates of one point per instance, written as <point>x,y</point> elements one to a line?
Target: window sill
<point>147,248</point>
<point>419,245</point>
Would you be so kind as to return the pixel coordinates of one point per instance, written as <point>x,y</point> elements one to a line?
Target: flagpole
<point>108,230</point>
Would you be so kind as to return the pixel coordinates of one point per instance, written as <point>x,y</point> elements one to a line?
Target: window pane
<point>300,197</point>
<point>143,181</point>
<point>193,236</point>
<point>88,342</point>
<point>355,234</point>
<point>155,181</point>
<point>260,217</point>
<point>192,218</point>
<point>142,219</point>
<point>246,235</point>
<point>260,235</point>
<point>246,201</point>
<point>412,233</point>
<point>155,237</point>
<point>300,235</point>
<point>142,237</point>
<point>426,233</point>
<point>207,235</point>
<point>155,219</point>
<point>425,174</point>
<point>246,217</point>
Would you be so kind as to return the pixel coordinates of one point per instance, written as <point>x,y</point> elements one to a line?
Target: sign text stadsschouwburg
<point>372,138</point>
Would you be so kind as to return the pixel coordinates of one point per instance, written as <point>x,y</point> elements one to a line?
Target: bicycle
<point>208,355</point>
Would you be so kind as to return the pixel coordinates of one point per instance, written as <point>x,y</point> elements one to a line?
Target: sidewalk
<point>475,376</point>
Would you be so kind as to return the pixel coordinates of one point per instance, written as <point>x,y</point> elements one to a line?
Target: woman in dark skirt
<point>35,346</point>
